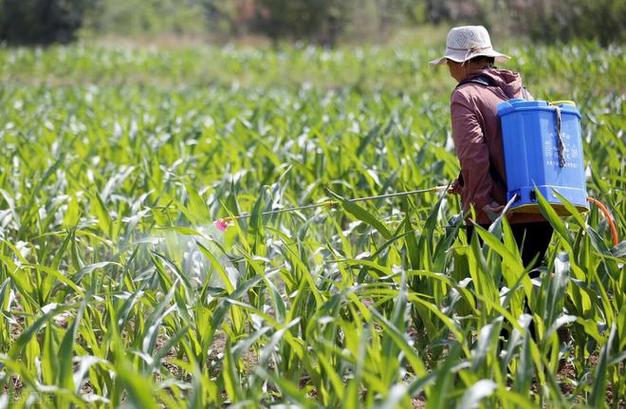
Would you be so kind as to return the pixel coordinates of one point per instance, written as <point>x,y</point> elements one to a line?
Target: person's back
<point>478,95</point>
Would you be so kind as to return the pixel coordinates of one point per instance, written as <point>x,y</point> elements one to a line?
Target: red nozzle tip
<point>221,225</point>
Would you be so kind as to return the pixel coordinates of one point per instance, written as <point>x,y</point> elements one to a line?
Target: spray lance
<point>223,223</point>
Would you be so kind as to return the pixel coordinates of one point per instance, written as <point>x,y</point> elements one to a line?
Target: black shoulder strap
<point>480,79</point>
<point>487,81</point>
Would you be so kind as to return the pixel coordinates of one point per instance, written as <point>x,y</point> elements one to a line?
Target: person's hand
<point>455,188</point>
<point>493,208</point>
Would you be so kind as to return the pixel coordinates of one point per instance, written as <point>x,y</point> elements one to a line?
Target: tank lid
<point>522,103</point>
<point>537,105</point>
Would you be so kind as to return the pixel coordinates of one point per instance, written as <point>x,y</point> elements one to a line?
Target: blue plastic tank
<point>542,148</point>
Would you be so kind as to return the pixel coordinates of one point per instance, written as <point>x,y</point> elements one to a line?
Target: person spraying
<point>477,136</point>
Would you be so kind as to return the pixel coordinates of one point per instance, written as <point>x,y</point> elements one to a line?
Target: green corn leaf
<point>553,218</point>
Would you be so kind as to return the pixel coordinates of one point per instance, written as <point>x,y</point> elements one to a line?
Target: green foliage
<point>116,289</point>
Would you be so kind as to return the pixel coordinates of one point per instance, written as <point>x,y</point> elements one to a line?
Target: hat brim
<point>461,56</point>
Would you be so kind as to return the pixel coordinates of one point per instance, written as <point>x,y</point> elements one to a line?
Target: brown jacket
<point>478,141</point>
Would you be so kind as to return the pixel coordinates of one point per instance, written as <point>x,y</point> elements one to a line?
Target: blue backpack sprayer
<point>543,149</point>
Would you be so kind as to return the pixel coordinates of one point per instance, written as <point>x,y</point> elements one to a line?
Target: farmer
<point>478,139</point>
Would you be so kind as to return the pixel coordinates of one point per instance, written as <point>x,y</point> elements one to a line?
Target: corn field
<point>117,289</point>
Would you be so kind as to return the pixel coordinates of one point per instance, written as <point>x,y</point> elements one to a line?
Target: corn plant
<point>117,289</point>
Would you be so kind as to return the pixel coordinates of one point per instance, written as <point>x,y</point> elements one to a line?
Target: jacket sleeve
<point>472,151</point>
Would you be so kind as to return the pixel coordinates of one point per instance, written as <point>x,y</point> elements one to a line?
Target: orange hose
<point>608,217</point>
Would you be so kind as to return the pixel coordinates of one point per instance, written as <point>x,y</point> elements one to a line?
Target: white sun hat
<point>467,42</point>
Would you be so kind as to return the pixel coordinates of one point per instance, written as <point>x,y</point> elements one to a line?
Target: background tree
<point>146,17</point>
<point>549,20</point>
<point>321,21</point>
<point>41,21</point>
